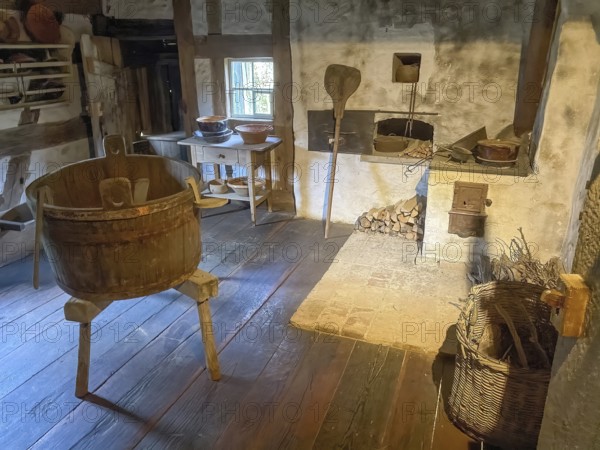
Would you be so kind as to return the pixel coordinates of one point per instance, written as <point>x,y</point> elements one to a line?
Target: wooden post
<point>534,64</point>
<point>283,109</point>
<point>182,15</point>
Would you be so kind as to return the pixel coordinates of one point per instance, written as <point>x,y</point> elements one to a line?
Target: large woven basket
<point>493,401</point>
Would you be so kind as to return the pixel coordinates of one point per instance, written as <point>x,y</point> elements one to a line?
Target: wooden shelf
<point>24,73</point>
<point>33,46</point>
<point>258,199</point>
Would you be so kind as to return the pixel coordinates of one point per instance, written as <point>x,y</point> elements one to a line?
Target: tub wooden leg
<point>83,360</point>
<point>84,312</point>
<point>201,286</point>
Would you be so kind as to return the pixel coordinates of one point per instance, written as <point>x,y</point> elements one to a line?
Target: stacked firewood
<point>419,149</point>
<point>405,219</point>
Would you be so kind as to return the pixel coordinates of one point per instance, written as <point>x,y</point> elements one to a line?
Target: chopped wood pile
<point>405,219</point>
<point>419,149</point>
<point>517,263</point>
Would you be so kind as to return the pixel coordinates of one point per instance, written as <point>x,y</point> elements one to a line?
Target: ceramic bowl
<point>254,133</point>
<point>240,185</point>
<point>217,186</point>
<point>212,124</point>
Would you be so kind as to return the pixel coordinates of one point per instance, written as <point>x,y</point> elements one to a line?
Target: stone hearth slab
<point>376,291</point>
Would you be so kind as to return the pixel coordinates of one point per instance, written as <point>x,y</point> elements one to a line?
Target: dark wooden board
<point>119,339</point>
<point>359,412</point>
<point>300,405</point>
<point>32,359</point>
<point>233,45</point>
<point>413,413</point>
<point>445,434</point>
<point>154,369</point>
<point>32,137</point>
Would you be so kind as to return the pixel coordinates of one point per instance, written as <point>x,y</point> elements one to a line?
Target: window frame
<point>230,90</point>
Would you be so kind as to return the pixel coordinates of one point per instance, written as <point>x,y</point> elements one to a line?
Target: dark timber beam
<point>234,46</point>
<point>182,15</point>
<point>27,138</point>
<point>534,64</point>
<point>283,108</point>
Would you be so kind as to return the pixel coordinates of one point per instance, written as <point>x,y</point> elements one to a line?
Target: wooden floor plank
<point>281,388</point>
<point>299,408</point>
<point>156,366</point>
<point>31,360</point>
<point>445,434</point>
<point>413,414</point>
<point>113,345</point>
<point>203,428</point>
<point>357,415</point>
<point>32,325</point>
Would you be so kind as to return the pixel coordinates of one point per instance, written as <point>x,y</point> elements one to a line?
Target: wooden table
<point>234,152</point>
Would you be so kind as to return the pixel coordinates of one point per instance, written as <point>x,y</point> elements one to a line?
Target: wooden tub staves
<point>121,226</point>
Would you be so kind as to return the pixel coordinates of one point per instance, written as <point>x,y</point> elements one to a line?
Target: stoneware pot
<point>212,124</point>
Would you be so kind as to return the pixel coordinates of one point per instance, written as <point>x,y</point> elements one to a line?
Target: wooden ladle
<point>340,83</point>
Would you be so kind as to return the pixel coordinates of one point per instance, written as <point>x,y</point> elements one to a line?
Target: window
<point>250,88</point>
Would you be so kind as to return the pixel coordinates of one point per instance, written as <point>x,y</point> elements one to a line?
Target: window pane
<point>263,75</point>
<point>251,88</point>
<point>263,104</point>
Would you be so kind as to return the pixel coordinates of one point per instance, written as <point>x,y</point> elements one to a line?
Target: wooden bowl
<point>240,185</point>
<point>254,133</point>
<point>212,124</point>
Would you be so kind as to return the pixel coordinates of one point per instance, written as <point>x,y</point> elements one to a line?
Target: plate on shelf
<point>494,163</point>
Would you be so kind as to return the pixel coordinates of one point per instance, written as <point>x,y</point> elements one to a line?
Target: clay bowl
<point>240,185</point>
<point>254,133</point>
<point>42,25</point>
<point>497,150</point>
<point>217,186</point>
<point>212,124</point>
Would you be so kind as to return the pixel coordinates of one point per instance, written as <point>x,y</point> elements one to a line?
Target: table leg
<point>268,178</point>
<point>252,199</point>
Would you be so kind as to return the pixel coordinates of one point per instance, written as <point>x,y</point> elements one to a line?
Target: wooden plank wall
<point>216,47</point>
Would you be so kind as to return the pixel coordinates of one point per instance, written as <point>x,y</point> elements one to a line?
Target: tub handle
<point>204,203</point>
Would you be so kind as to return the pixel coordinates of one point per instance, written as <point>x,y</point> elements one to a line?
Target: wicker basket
<point>493,401</point>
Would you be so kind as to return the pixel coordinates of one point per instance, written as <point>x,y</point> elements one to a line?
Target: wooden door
<point>110,90</point>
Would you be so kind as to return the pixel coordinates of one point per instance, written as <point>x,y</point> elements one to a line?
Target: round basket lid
<point>42,24</point>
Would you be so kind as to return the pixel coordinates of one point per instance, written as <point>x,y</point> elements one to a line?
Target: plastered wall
<point>470,61</point>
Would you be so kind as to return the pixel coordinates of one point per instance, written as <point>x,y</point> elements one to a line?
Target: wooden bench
<point>201,286</point>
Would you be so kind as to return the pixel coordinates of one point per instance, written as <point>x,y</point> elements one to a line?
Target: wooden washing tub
<point>119,227</point>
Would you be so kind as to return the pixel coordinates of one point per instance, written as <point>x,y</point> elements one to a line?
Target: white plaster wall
<point>541,204</point>
<point>245,17</point>
<point>468,76</point>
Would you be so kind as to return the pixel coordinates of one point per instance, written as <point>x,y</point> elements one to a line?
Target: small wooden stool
<point>201,286</point>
